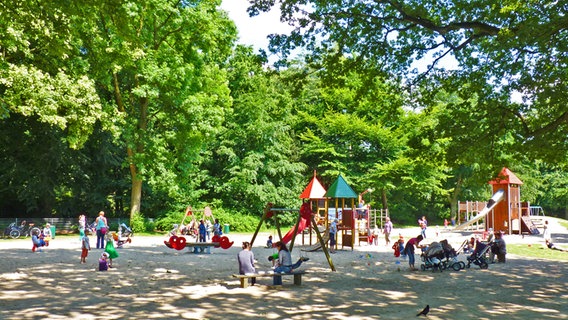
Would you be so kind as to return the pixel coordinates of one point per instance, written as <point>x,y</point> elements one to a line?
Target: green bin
<point>226,229</point>
<point>52,231</point>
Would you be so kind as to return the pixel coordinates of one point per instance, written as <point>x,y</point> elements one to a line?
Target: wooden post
<point>323,247</point>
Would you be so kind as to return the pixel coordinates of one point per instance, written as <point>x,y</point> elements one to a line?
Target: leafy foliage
<point>502,50</point>
<point>142,108</point>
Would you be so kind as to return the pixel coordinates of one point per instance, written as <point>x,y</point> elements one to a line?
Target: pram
<point>123,236</point>
<point>432,257</point>
<point>451,257</point>
<point>478,255</point>
<point>441,256</point>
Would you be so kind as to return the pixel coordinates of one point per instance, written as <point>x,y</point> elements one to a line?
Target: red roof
<point>314,190</point>
<point>506,177</point>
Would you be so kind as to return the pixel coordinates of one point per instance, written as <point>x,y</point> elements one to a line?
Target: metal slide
<point>495,199</point>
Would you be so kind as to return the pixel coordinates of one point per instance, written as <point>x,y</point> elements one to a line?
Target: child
<point>208,229</point>
<point>47,234</point>
<point>109,248</point>
<point>396,248</point>
<point>37,242</point>
<point>103,262</point>
<point>273,258</point>
<point>269,242</point>
<point>217,228</point>
<point>332,233</point>
<point>174,231</point>
<point>85,248</point>
<point>202,231</point>
<point>375,235</point>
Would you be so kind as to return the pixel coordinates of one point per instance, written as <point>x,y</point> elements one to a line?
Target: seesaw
<point>179,243</point>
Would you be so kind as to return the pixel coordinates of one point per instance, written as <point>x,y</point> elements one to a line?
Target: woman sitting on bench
<point>284,262</point>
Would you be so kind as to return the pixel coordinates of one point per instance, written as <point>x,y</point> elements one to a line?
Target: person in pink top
<point>409,250</point>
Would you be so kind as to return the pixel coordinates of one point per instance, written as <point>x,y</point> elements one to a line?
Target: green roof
<point>340,189</point>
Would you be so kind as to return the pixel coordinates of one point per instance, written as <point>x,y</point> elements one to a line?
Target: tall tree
<point>509,48</point>
<point>151,65</point>
<point>254,159</point>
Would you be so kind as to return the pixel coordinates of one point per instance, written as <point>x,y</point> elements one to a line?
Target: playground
<point>163,277</point>
<point>152,281</point>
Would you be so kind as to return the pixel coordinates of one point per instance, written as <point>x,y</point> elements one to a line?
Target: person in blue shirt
<point>202,231</point>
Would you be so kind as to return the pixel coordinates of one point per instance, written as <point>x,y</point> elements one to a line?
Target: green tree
<point>503,49</point>
<point>39,76</point>
<point>353,122</point>
<point>157,63</point>
<point>148,70</point>
<point>254,159</point>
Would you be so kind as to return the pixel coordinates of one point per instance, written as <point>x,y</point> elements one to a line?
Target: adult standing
<point>409,250</point>
<point>246,261</point>
<point>101,226</point>
<point>387,229</point>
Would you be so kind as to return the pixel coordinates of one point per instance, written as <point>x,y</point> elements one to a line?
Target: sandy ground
<point>151,281</point>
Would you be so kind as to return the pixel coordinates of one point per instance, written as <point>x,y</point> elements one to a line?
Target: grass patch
<point>537,251</point>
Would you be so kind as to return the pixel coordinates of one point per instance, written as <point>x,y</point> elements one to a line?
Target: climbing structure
<point>504,211</point>
<point>306,218</point>
<point>341,199</point>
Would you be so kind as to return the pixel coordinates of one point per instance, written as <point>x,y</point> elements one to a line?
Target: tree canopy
<point>511,54</point>
<point>105,104</point>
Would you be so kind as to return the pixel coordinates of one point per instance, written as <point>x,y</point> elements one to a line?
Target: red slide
<point>305,215</point>
<point>301,226</point>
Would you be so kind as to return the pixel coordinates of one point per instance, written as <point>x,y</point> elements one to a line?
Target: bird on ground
<point>425,311</point>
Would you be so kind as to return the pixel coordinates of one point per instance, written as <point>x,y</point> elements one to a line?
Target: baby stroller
<point>478,255</point>
<point>123,236</point>
<point>432,257</point>
<point>451,257</point>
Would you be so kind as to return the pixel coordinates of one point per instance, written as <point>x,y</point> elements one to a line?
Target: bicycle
<point>26,229</point>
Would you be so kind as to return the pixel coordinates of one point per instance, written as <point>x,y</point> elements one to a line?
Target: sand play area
<point>151,281</point>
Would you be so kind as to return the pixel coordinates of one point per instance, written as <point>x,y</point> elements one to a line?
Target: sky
<point>253,31</point>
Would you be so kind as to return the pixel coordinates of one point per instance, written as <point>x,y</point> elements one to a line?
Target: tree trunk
<point>384,199</point>
<point>136,197</point>
<point>453,198</point>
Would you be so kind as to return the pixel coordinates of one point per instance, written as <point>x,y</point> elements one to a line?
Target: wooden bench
<point>244,277</point>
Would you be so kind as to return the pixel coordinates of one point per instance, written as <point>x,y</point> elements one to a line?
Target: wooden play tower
<point>341,198</point>
<point>504,211</point>
<point>506,214</point>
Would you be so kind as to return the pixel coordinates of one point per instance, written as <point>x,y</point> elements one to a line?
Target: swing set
<point>178,241</point>
<point>305,220</point>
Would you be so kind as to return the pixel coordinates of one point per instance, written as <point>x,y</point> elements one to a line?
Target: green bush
<point>167,222</point>
<point>149,225</point>
<point>137,223</point>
